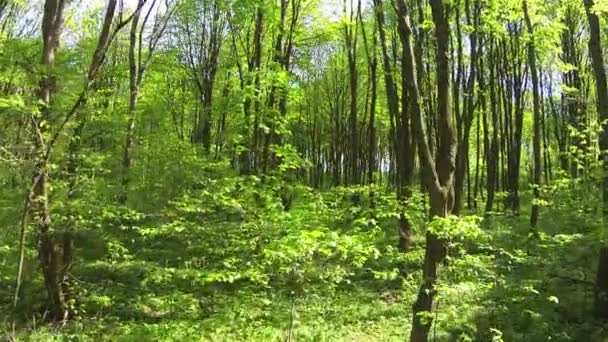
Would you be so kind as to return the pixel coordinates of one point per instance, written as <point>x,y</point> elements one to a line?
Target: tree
<point>201,37</point>
<point>56,255</point>
<point>537,115</point>
<point>599,73</point>
<point>402,140</point>
<point>465,121</point>
<point>351,29</point>
<point>438,169</point>
<point>139,62</point>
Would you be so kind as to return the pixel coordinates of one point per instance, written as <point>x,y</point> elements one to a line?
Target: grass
<point>509,286</point>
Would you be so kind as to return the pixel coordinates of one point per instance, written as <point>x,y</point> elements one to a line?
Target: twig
<point>11,157</point>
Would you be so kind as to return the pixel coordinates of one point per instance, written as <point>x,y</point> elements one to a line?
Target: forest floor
<point>513,286</point>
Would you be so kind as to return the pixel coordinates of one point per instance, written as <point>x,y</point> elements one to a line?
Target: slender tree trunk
<point>536,147</point>
<point>131,113</point>
<point>350,35</point>
<point>599,73</point>
<point>137,67</point>
<point>48,250</point>
<point>494,144</point>
<point>515,135</point>
<point>401,140</point>
<point>372,58</point>
<point>55,259</point>
<point>438,171</point>
<point>405,141</point>
<point>462,157</point>
<point>247,158</point>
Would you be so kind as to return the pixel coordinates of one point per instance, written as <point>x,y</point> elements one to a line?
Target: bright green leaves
<point>496,335</point>
<point>600,7</point>
<point>320,255</point>
<point>289,158</point>
<point>456,228</point>
<point>117,252</point>
<point>425,317</point>
<point>12,103</point>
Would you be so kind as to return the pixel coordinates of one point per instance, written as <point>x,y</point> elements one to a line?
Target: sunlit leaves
<point>13,103</point>
<point>600,7</point>
<point>454,227</point>
<point>289,158</point>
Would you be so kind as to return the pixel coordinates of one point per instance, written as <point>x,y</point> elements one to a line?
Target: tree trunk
<point>462,157</point>
<point>440,184</point>
<point>438,170</point>
<point>494,143</point>
<point>55,259</point>
<point>536,148</point>
<point>599,72</point>
<point>372,59</point>
<point>48,249</point>
<point>514,141</point>
<point>247,157</point>
<point>137,67</point>
<point>400,123</point>
<point>350,35</point>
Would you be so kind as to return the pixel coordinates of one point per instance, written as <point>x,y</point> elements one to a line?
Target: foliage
<point>256,182</point>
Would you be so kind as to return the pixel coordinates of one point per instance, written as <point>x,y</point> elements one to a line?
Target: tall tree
<point>351,29</point>
<point>48,252</point>
<point>55,257</point>
<point>601,87</point>
<point>251,103</point>
<point>282,53</point>
<point>494,142</point>
<point>536,147</point>
<point>400,141</point>
<point>574,95</point>
<point>465,121</point>
<point>405,145</point>
<point>139,61</point>
<point>201,37</point>
<point>372,59</point>
<point>513,101</point>
<point>439,169</point>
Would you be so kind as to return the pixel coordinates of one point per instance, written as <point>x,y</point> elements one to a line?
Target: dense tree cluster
<point>426,122</point>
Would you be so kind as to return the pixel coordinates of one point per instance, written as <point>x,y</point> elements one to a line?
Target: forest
<point>304,170</point>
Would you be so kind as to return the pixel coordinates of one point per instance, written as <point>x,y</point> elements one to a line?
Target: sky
<point>29,23</point>
<point>331,8</point>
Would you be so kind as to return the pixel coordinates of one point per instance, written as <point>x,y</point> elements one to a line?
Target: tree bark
<point>438,170</point>
<point>599,73</point>
<point>55,259</point>
<point>132,108</point>
<point>137,67</point>
<point>350,40</point>
<point>48,250</point>
<point>536,147</point>
<point>462,156</point>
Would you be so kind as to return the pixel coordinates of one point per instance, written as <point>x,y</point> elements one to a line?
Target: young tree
<point>201,36</point>
<point>139,61</point>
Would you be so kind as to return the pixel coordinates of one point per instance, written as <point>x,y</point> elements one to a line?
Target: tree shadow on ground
<point>544,284</point>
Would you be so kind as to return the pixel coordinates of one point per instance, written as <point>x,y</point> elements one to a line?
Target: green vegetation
<point>303,170</point>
